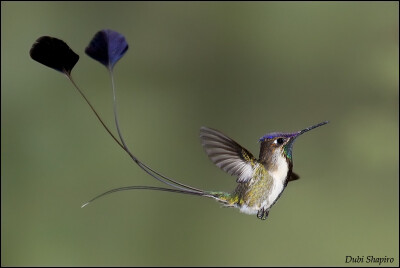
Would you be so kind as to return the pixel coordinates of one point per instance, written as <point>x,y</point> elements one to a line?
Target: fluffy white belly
<point>248,210</point>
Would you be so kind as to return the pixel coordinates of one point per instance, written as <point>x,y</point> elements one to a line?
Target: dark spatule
<point>54,53</point>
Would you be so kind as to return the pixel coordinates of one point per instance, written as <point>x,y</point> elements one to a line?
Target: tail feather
<point>126,188</point>
<point>219,196</point>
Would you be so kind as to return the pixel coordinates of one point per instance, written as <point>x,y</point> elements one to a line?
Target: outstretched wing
<point>228,154</point>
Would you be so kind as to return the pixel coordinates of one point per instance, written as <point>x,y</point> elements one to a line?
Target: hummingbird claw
<point>262,214</point>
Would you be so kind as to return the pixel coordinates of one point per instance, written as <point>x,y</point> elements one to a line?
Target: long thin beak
<point>312,127</point>
<point>289,145</point>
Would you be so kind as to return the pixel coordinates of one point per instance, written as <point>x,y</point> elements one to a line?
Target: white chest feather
<point>281,169</point>
<point>279,174</point>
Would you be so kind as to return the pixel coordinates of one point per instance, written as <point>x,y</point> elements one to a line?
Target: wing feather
<point>227,154</point>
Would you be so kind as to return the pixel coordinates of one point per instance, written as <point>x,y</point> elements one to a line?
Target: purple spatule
<point>107,47</point>
<point>54,53</point>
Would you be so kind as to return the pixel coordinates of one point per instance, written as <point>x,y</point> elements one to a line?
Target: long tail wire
<point>180,187</point>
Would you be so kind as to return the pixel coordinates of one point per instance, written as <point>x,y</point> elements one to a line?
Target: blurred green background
<point>244,68</point>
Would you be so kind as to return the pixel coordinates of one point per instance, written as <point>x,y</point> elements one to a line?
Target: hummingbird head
<point>278,144</point>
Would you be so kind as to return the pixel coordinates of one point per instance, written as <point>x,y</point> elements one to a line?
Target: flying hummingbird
<point>260,181</point>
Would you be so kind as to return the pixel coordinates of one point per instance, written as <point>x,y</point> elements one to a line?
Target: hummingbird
<point>260,181</point>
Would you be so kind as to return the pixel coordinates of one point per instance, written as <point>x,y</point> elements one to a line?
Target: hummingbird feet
<point>262,214</point>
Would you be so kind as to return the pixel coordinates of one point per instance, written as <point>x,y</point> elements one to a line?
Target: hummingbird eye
<point>279,141</point>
